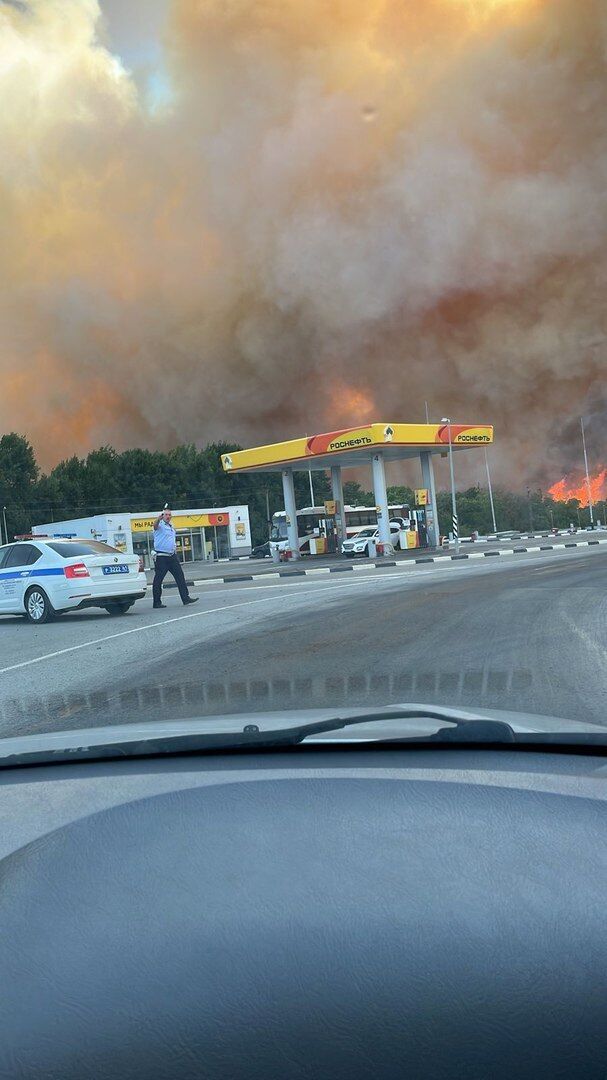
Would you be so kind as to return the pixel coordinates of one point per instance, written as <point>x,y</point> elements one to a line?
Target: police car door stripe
<point>44,571</point>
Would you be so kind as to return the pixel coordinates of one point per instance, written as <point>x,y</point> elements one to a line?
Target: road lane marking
<point>583,635</point>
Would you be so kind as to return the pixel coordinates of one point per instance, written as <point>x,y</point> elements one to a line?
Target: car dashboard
<point>327,912</point>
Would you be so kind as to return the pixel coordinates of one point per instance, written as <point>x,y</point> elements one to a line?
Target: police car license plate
<point>119,568</point>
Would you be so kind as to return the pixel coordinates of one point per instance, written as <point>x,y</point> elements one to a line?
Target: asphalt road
<point>525,632</point>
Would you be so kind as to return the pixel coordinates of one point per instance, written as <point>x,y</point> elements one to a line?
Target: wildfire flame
<point>574,487</point>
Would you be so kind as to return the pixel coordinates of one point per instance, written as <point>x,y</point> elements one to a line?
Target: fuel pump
<point>331,509</point>
<point>419,516</point>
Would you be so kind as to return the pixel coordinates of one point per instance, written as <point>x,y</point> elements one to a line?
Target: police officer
<point>165,546</point>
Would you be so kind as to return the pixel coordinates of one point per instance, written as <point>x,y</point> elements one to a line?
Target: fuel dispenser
<point>331,537</point>
<point>418,530</point>
<point>326,542</point>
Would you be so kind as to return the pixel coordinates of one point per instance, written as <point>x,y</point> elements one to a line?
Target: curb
<point>411,564</point>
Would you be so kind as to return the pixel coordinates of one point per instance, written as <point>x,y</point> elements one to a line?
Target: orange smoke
<point>570,488</point>
<point>351,405</point>
<point>84,412</point>
<point>331,211</point>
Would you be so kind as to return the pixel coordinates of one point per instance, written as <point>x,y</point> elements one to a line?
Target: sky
<point>133,30</point>
<point>249,219</point>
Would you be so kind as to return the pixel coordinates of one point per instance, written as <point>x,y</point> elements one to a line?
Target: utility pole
<point>587,475</point>
<point>490,491</point>
<point>5,528</point>
<point>427,419</point>
<point>310,478</point>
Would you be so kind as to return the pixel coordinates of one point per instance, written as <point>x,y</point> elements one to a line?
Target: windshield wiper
<point>147,741</point>
<point>474,729</point>
<point>45,749</point>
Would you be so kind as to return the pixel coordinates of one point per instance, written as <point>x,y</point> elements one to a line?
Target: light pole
<point>447,421</point>
<point>5,528</point>
<point>490,491</point>
<point>586,467</point>
<point>310,480</point>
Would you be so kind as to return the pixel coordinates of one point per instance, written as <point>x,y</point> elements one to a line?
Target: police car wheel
<point>117,609</point>
<point>38,608</point>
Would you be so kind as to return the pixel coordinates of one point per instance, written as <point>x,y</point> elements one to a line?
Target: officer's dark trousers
<point>168,564</point>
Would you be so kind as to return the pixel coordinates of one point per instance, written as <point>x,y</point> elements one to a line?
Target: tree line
<point>107,480</point>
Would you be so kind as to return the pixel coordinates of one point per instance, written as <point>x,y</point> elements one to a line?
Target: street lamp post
<point>490,491</point>
<point>447,421</point>
<point>310,481</point>
<point>5,528</point>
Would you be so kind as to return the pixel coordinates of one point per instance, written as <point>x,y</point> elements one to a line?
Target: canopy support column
<point>337,492</point>
<point>381,498</point>
<point>431,509</point>
<point>290,511</point>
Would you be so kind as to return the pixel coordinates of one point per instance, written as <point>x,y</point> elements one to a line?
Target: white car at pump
<point>359,543</point>
<point>41,578</point>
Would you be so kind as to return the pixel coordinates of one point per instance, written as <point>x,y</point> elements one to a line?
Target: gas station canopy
<point>375,445</point>
<point>352,447</point>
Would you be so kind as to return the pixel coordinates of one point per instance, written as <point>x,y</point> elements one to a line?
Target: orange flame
<point>571,487</point>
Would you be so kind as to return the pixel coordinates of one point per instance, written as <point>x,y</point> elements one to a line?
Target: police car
<point>42,577</point>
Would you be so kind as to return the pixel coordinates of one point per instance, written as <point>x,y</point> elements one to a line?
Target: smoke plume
<point>341,209</point>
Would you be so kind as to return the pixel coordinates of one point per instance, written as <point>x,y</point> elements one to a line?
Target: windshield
<point>88,547</point>
<point>304,273</point>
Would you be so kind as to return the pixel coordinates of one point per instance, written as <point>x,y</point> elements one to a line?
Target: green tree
<point>401,495</point>
<point>355,495</point>
<point>18,476</point>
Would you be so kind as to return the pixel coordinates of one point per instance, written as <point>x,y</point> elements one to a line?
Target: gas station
<point>353,448</point>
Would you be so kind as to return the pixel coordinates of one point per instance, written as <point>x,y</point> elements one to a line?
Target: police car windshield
<point>82,547</point>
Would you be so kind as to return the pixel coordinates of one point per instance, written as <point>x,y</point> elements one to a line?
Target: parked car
<point>262,551</point>
<point>41,578</point>
<point>359,543</point>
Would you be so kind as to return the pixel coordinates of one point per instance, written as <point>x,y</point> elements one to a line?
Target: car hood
<point>63,742</point>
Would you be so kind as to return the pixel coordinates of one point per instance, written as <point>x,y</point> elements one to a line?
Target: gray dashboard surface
<point>309,915</point>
